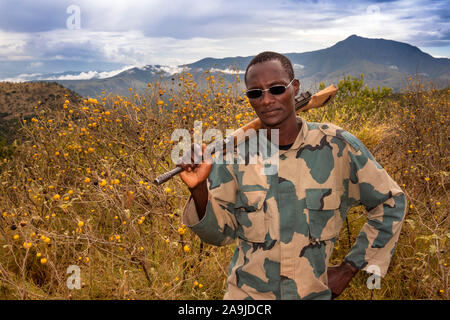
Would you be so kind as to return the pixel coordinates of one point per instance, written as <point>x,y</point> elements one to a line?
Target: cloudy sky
<point>102,36</point>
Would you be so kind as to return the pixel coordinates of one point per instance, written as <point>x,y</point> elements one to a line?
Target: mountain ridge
<point>384,62</point>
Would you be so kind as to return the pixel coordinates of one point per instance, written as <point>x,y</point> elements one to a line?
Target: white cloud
<point>228,71</point>
<point>108,74</point>
<point>81,76</point>
<point>87,75</point>
<point>172,69</point>
<point>36,64</point>
<point>23,77</point>
<point>179,32</point>
<point>12,46</point>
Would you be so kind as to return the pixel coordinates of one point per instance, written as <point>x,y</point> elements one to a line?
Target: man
<point>287,223</point>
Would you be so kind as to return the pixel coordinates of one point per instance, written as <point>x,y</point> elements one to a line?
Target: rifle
<point>303,102</point>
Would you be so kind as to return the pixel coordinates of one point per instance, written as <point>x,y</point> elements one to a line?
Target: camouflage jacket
<point>287,224</point>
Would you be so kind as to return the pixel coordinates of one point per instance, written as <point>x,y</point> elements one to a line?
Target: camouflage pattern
<point>287,224</point>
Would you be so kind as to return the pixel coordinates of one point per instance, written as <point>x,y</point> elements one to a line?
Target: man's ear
<point>296,84</point>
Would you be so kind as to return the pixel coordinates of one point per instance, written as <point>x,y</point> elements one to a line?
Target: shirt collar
<point>301,137</point>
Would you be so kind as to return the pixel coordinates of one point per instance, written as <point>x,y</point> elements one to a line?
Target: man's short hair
<point>269,56</point>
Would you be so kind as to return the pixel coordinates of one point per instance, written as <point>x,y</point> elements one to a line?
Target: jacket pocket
<point>324,220</point>
<point>251,217</point>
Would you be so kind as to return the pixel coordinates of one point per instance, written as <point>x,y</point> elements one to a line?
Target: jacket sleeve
<point>218,226</point>
<point>371,186</point>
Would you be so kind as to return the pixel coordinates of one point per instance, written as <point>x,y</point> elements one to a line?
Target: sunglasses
<point>275,90</point>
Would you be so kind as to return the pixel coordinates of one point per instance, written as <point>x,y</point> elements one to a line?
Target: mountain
<point>383,63</point>
<point>22,100</point>
<point>136,78</point>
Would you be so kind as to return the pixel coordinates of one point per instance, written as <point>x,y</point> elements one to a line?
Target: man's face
<point>273,110</point>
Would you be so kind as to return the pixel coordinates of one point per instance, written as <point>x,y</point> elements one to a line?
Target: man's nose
<point>267,97</point>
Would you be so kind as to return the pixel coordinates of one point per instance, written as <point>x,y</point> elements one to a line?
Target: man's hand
<point>339,277</point>
<point>194,174</point>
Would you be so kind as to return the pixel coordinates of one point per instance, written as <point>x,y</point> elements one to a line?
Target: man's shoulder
<point>317,129</point>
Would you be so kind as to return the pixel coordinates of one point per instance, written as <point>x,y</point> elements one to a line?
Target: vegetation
<point>77,191</point>
<point>21,100</point>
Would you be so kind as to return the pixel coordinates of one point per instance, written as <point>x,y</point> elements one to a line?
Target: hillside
<point>78,192</point>
<point>136,78</point>
<point>22,100</point>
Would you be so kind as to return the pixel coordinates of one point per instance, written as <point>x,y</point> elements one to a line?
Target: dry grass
<point>78,191</point>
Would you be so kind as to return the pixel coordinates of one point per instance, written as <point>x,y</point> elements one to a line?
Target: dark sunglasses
<point>275,90</point>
